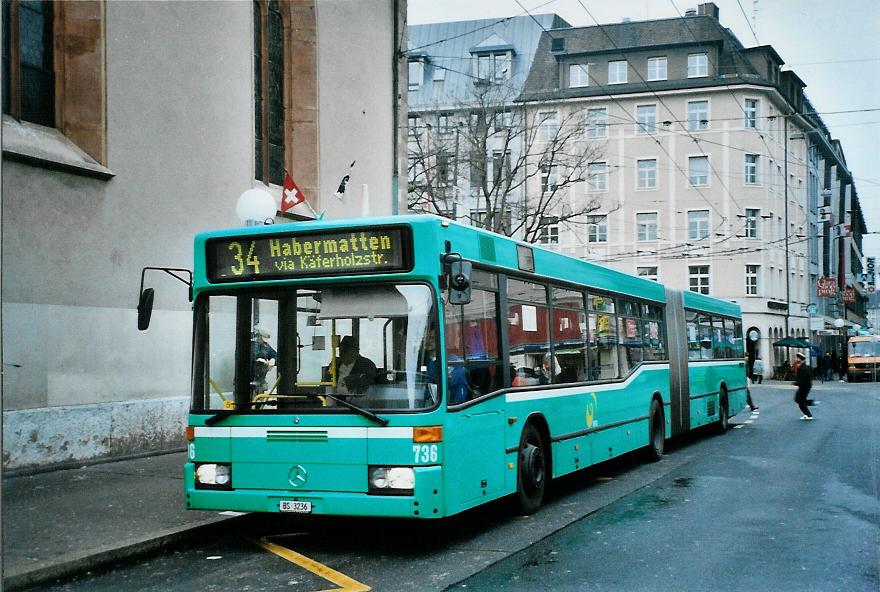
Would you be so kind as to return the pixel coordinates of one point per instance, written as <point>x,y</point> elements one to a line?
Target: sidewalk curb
<point>102,557</point>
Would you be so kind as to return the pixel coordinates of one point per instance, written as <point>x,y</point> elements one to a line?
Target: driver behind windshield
<point>354,373</point>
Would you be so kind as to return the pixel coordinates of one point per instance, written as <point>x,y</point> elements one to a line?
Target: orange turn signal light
<point>190,433</point>
<point>428,434</point>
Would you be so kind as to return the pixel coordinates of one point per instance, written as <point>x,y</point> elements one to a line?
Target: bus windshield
<point>863,348</point>
<point>316,349</point>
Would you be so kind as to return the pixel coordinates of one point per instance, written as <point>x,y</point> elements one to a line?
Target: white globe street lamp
<point>839,323</point>
<point>256,207</point>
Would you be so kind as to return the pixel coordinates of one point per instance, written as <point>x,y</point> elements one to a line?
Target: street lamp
<point>256,207</point>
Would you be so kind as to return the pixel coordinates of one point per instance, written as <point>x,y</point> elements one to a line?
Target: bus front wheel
<point>531,478</point>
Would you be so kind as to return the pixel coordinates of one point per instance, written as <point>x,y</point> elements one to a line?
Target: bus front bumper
<point>425,502</point>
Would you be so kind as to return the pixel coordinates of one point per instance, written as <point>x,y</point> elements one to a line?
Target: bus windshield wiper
<point>359,410</point>
<point>219,416</point>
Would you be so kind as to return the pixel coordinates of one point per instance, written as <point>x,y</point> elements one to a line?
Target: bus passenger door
<point>474,453</point>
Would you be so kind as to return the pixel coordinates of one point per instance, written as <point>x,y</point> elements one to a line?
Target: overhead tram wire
<point>478,29</point>
<point>653,137</point>
<point>716,68</point>
<point>662,102</point>
<point>748,22</point>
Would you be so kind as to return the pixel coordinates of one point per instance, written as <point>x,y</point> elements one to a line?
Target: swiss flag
<point>290,194</point>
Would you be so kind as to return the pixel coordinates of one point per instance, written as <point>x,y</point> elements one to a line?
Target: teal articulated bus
<point>415,367</point>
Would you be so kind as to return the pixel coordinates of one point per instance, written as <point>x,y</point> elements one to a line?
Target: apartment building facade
<point>714,167</point>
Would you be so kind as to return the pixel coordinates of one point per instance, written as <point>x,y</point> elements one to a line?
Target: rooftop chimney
<point>708,9</point>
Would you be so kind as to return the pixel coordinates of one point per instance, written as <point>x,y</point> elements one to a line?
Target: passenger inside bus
<point>263,358</point>
<point>354,373</point>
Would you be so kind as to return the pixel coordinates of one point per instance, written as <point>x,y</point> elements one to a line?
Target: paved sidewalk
<point>64,522</point>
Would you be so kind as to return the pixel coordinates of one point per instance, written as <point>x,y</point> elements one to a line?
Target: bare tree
<point>512,165</point>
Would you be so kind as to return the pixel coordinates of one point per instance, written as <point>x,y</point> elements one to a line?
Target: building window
<point>548,127</point>
<point>617,72</point>
<point>698,278</point>
<point>416,74</point>
<point>549,234</point>
<point>480,219</point>
<point>698,115</point>
<point>549,178</point>
<point>647,174</point>
<point>649,272</point>
<point>28,74</point>
<point>753,274</point>
<point>578,75</point>
<point>500,166</point>
<point>478,172</point>
<point>597,122</point>
<point>597,176</point>
<point>444,169</point>
<point>657,68</point>
<point>415,125</point>
<point>646,226</point>
<point>751,169</point>
<point>646,119</point>
<point>698,170</point>
<point>444,124</point>
<point>751,113</point>
<point>698,65</point>
<point>493,66</point>
<point>698,224</point>
<point>439,73</point>
<point>502,120</point>
<point>268,93</point>
<point>597,228</point>
<point>751,227</point>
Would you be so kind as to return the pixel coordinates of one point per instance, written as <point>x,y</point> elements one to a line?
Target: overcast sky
<point>834,47</point>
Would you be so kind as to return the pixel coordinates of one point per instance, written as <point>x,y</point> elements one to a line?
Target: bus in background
<point>416,367</point>
<point>863,357</point>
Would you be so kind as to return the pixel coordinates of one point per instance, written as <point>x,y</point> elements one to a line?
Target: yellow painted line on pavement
<point>319,569</point>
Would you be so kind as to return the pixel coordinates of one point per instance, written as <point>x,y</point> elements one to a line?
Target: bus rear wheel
<point>656,432</point>
<point>531,477</point>
<point>723,416</point>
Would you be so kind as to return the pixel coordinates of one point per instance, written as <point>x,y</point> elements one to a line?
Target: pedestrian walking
<point>820,367</point>
<point>804,382</point>
<point>758,370</point>
<point>829,366</point>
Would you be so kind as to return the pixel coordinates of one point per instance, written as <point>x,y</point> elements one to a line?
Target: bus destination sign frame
<point>335,252</point>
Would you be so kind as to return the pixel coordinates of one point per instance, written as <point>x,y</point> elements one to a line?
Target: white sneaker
<point>806,418</point>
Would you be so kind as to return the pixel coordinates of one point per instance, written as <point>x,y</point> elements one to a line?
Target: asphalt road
<point>775,504</point>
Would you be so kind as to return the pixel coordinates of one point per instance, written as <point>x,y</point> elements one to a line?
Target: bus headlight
<point>213,476</point>
<point>392,480</point>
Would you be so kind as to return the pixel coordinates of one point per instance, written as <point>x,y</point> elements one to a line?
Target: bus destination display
<point>335,252</point>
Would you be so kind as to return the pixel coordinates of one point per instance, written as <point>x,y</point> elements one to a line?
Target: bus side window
<point>693,336</point>
<point>472,352</point>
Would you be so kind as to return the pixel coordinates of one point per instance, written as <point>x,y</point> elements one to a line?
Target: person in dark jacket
<point>804,382</point>
<point>355,373</point>
<point>262,360</point>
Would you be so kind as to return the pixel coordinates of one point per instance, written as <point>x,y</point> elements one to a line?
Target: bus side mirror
<point>460,282</point>
<point>145,309</point>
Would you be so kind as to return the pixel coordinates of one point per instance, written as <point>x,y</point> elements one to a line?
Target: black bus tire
<point>723,423</point>
<point>532,470</point>
<point>656,432</point>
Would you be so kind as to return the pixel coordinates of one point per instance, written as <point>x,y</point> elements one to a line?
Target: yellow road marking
<point>319,569</point>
